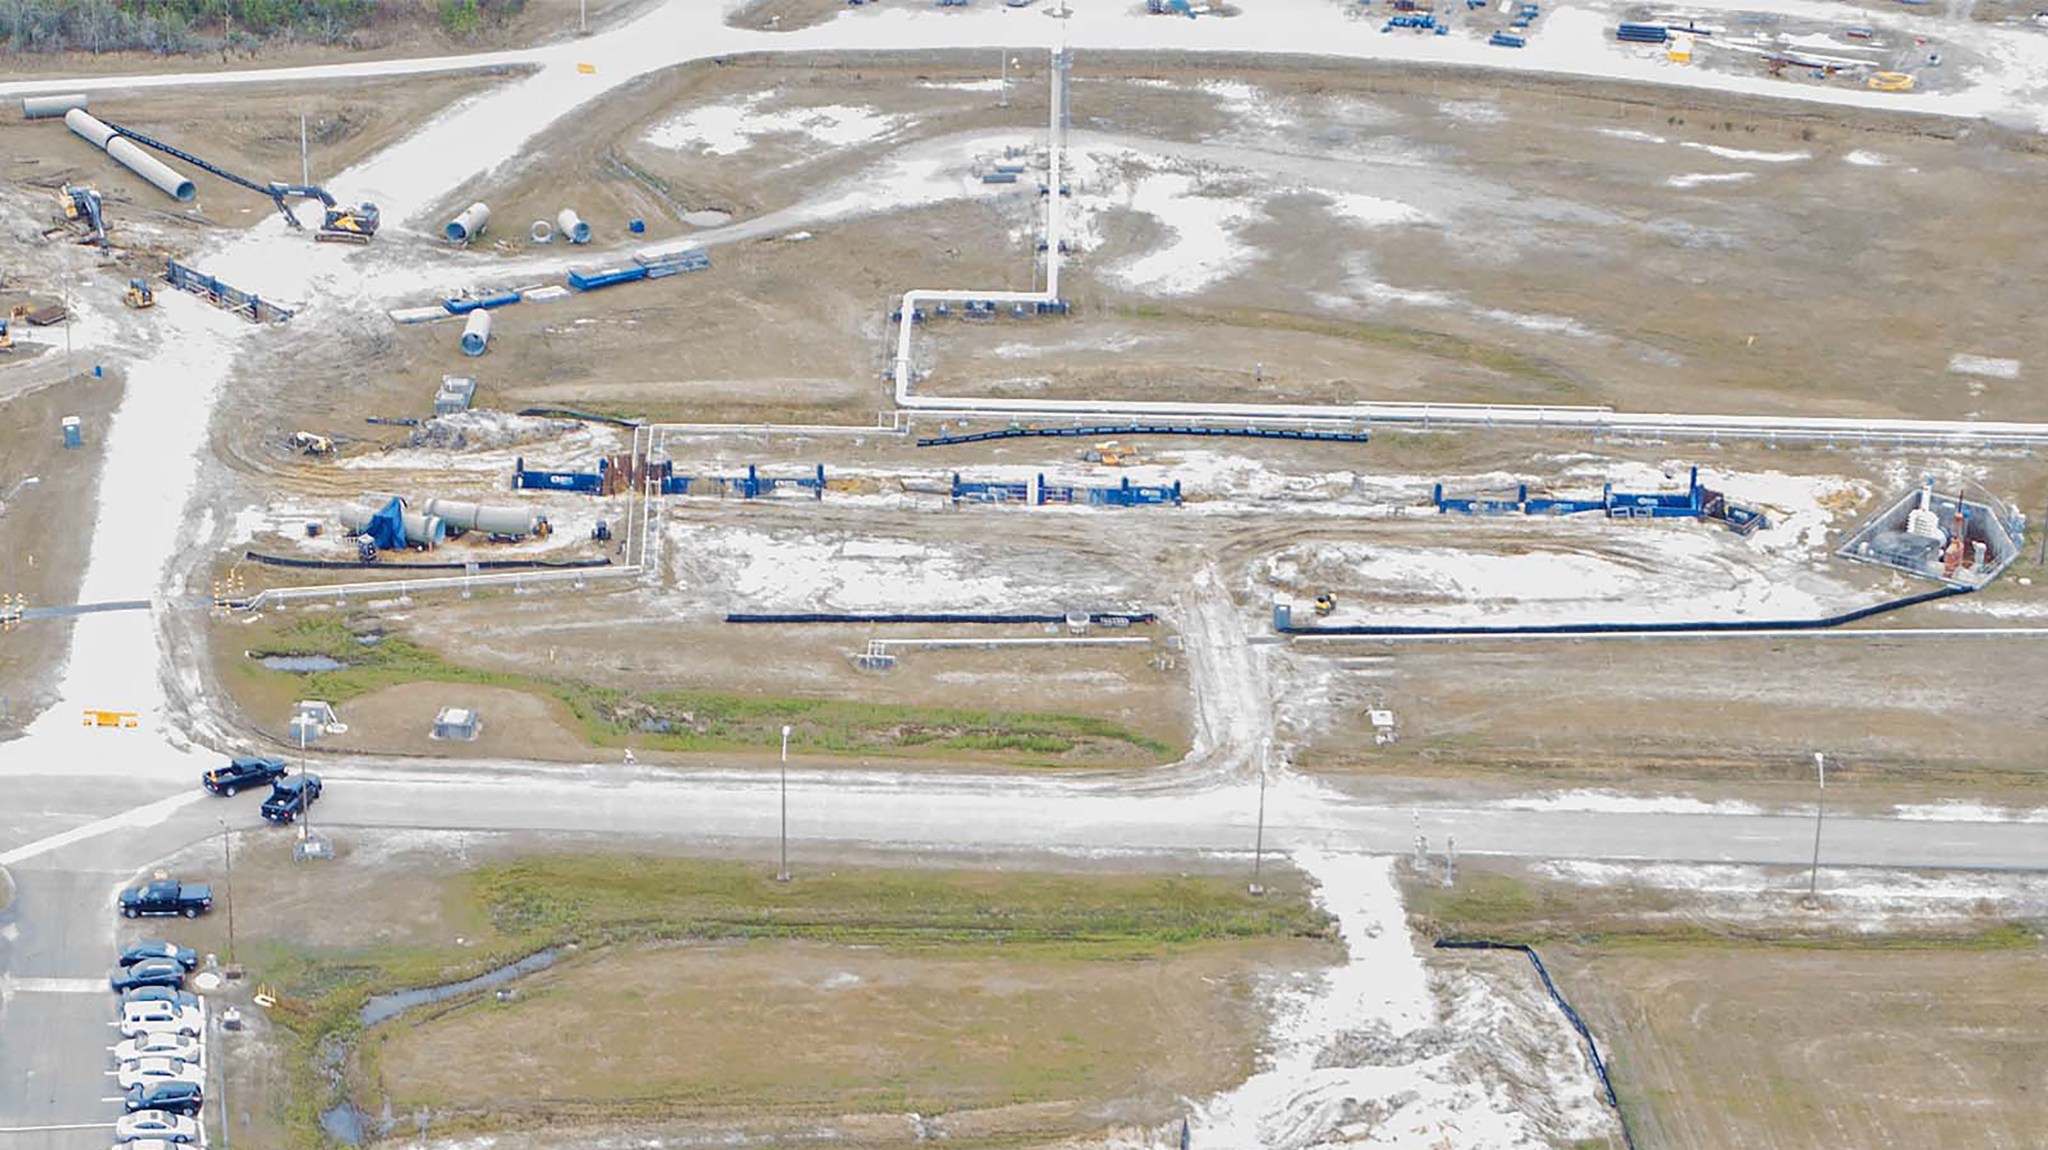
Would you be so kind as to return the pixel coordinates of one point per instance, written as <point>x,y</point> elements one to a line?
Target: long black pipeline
<point>1654,628</point>
<point>379,565</point>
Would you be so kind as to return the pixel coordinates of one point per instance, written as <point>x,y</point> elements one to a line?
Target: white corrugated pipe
<point>49,107</point>
<point>476,333</point>
<point>130,155</point>
<point>470,224</point>
<point>466,516</point>
<point>571,225</point>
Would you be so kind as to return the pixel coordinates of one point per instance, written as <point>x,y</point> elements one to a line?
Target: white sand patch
<point>1372,211</point>
<point>730,127</point>
<point>1984,365</point>
<point>992,84</point>
<point>1204,249</point>
<point>1380,1052</point>
<point>1863,159</point>
<point>1953,811</point>
<point>1471,112</point>
<point>1615,803</point>
<point>1747,156</point>
<point>1631,134</point>
<point>1700,179</point>
<point>1248,106</point>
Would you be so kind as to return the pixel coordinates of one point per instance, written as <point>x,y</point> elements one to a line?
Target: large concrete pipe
<point>49,107</point>
<point>571,225</point>
<point>420,527</point>
<point>476,333</point>
<point>464,516</point>
<point>130,155</point>
<point>469,225</point>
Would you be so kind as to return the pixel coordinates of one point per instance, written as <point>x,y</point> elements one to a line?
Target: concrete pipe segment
<point>48,107</point>
<point>542,232</point>
<point>469,225</point>
<point>571,225</point>
<point>130,155</point>
<point>476,333</point>
<point>420,527</point>
<point>464,516</point>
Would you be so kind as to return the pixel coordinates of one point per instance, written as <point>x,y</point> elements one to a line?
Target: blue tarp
<point>387,528</point>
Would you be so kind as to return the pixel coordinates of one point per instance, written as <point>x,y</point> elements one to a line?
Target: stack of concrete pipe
<point>49,107</point>
<point>516,522</point>
<point>469,225</point>
<point>426,528</point>
<point>476,333</point>
<point>129,154</point>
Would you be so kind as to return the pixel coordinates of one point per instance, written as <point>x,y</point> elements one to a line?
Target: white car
<point>139,1018</point>
<point>155,1128</point>
<point>152,1071</point>
<point>161,1044</point>
<point>150,1144</point>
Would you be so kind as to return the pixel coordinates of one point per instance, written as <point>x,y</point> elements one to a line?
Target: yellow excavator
<point>139,295</point>
<point>1113,454</point>
<point>1325,603</point>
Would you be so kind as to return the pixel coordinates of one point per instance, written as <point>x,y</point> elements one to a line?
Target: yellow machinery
<point>6,337</point>
<point>139,295</point>
<point>1325,603</point>
<point>354,224</point>
<point>122,719</point>
<point>1891,82</point>
<point>308,443</point>
<point>1114,454</point>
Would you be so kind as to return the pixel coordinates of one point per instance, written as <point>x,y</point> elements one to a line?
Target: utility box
<point>458,723</point>
<point>456,394</point>
<point>74,431</point>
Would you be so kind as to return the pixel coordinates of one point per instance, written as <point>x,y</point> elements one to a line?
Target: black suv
<point>242,772</point>
<point>289,798</point>
<point>176,1097</point>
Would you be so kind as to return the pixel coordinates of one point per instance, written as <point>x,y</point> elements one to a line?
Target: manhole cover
<point>206,980</point>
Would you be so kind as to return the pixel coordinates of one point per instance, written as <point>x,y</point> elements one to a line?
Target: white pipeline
<point>129,155</point>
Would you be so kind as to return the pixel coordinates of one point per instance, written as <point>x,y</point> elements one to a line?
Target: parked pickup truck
<point>242,772</point>
<point>167,896</point>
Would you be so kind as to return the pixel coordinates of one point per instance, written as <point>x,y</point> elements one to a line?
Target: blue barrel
<point>74,432</point>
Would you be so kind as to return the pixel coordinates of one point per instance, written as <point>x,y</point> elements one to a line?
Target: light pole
<point>1259,838</point>
<point>783,874</point>
<point>1820,766</point>
<point>227,851</point>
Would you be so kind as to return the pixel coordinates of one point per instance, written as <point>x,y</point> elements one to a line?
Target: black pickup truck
<point>167,896</point>
<point>242,772</point>
<point>290,797</point>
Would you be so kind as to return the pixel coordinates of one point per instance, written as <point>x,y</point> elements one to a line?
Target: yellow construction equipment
<point>139,295</point>
<point>1114,454</point>
<point>1891,82</point>
<point>310,444</point>
<point>6,337</point>
<point>124,719</point>
<point>1325,603</point>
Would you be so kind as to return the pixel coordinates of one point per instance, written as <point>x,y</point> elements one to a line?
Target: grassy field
<point>1802,1033</point>
<point>1031,999</point>
<point>681,721</point>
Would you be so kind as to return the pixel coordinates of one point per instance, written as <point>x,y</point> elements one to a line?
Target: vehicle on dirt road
<point>152,972</point>
<point>155,1125</point>
<point>241,773</point>
<point>157,948</point>
<point>167,896</point>
<point>162,1044</point>
<point>156,1072</point>
<point>176,1097</point>
<point>290,798</point>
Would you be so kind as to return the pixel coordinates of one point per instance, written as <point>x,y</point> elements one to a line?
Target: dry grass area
<point>45,566</point>
<point>1777,1049</point>
<point>1025,1046</point>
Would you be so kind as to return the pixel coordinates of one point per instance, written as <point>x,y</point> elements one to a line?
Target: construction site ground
<point>1729,1018</point>
<point>878,1000</point>
<point>41,565</point>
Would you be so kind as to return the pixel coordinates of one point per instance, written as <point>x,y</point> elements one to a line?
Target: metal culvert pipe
<point>470,224</point>
<point>49,107</point>
<point>476,333</point>
<point>571,225</point>
<point>130,155</point>
<point>465,516</point>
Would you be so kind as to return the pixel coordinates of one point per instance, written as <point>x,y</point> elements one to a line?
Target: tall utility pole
<point>583,17</point>
<point>1820,766</point>
<point>227,851</point>
<point>1004,83</point>
<point>1259,839</point>
<point>783,874</point>
<point>305,157</point>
